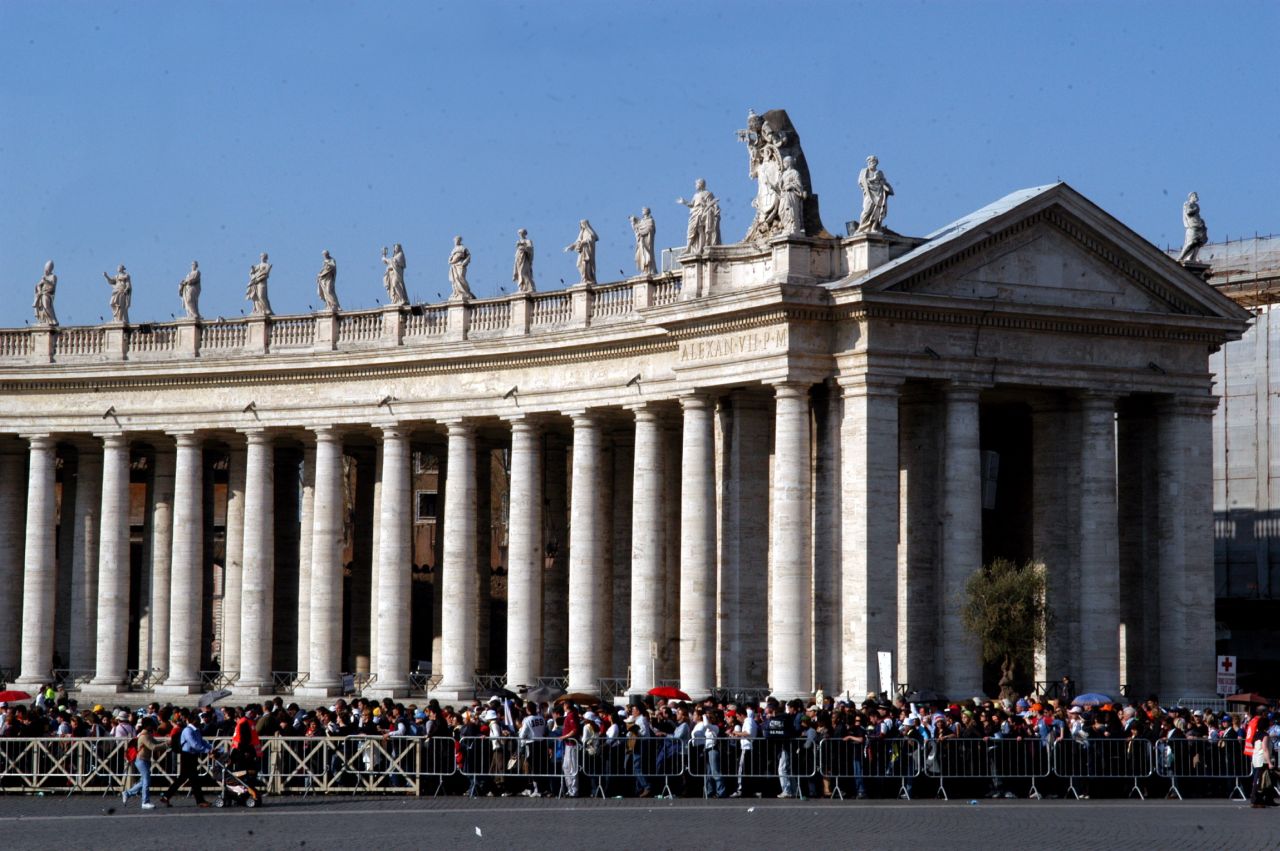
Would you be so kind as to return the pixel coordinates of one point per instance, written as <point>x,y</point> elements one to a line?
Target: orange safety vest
<point>1249,729</point>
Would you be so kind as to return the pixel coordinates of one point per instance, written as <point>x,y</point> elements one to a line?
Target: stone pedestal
<point>256,341</point>
<point>393,325</point>
<point>521,314</point>
<point>459,322</point>
<point>580,297</point>
<point>327,331</point>
<point>42,343</point>
<point>188,337</point>
<point>115,343</point>
<point>865,251</point>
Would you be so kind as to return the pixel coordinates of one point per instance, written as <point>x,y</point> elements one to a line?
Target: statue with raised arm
<point>189,291</point>
<point>393,277</point>
<point>327,282</point>
<point>256,292</point>
<point>1197,233</point>
<point>875,197</point>
<point>704,218</point>
<point>459,259</point>
<point>585,245</point>
<point>770,139</point>
<point>522,269</point>
<point>46,287</point>
<point>121,294</point>
<point>644,228</point>
<point>791,205</point>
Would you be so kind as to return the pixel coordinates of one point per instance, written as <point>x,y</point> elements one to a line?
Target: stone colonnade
<point>768,563</point>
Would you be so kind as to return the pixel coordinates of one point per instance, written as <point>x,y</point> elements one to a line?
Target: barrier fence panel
<point>1102,759</point>
<point>646,761</point>
<point>843,760</point>
<point>752,765</point>
<point>511,765</point>
<point>1212,766</point>
<point>995,761</point>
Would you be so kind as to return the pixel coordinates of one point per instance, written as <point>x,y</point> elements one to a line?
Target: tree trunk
<point>1007,691</point>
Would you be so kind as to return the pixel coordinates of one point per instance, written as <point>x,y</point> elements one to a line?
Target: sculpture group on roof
<point>785,207</point>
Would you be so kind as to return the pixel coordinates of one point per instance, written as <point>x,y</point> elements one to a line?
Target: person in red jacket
<point>245,744</point>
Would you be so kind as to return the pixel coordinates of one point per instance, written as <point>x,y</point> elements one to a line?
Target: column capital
<point>393,430</point>
<point>583,417</point>
<point>325,433</point>
<point>959,389</point>
<point>647,410</point>
<point>113,440</point>
<point>695,400</point>
<point>460,427</point>
<point>1189,406</point>
<point>524,423</point>
<point>40,441</point>
<point>1097,400</point>
<point>789,389</point>
<point>256,437</point>
<point>185,439</point>
<point>866,385</point>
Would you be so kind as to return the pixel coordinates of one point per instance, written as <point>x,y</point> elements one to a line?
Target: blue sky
<point>157,133</point>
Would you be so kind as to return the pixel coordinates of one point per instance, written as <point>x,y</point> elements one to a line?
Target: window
<point>424,503</point>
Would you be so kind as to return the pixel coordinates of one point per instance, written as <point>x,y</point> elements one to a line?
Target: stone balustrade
<point>514,315</point>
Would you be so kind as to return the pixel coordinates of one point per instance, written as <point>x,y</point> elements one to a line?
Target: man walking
<point>192,747</point>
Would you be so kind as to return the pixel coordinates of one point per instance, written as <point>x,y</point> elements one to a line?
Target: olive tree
<point>1005,608</point>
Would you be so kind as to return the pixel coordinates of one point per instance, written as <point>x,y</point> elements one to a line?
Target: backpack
<point>131,750</point>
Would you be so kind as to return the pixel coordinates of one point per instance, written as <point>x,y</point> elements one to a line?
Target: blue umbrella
<point>1092,699</point>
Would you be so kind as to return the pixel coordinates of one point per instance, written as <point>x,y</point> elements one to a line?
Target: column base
<point>177,689</point>
<point>105,686</point>
<point>240,689</point>
<point>454,692</point>
<point>313,689</point>
<point>787,696</point>
<point>31,683</point>
<point>394,691</point>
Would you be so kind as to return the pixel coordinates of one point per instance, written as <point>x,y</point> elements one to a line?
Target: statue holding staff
<point>189,291</point>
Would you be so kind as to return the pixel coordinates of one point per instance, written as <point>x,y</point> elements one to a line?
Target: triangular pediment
<point>1048,247</point>
<point>1042,265</point>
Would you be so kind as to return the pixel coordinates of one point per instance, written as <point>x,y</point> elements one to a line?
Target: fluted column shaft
<point>326,567</point>
<point>588,653</point>
<point>961,538</point>
<point>697,547</point>
<point>233,588</point>
<point>791,574</point>
<point>162,556</point>
<point>524,556</point>
<point>188,561</point>
<point>87,509</point>
<point>1099,537</point>
<point>647,565</point>
<point>395,564</point>
<point>458,630</point>
<point>113,564</point>
<point>257,592</point>
<point>12,506</point>
<point>38,575</point>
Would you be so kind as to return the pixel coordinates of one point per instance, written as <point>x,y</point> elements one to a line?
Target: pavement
<point>344,823</point>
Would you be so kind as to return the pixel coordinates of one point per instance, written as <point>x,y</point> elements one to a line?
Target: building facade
<point>755,471</point>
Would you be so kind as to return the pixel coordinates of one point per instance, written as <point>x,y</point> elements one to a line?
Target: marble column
<point>187,567</point>
<point>1186,599</point>
<point>919,462</point>
<point>746,541</point>
<point>669,643</point>
<point>791,573</point>
<point>960,657</point>
<point>39,567</point>
<point>620,562</point>
<point>13,481</point>
<point>306,530</point>
<point>257,591</point>
<point>1055,505</point>
<point>1099,584</point>
<point>162,480</point>
<point>697,548</point>
<point>555,574</point>
<point>233,587</point>
<point>375,580</point>
<point>394,564</point>
<point>460,592</point>
<point>113,566</point>
<point>87,508</point>
<point>869,535</point>
<point>325,654</point>
<point>647,533</point>
<point>524,555</point>
<point>828,572</point>
<point>587,575</point>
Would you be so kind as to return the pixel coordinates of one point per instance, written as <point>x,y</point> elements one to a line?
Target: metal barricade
<point>993,760</point>
<point>1103,759</point>
<point>647,760</point>
<point>792,762</point>
<point>716,767</point>
<point>1202,760</point>
<point>842,759</point>
<point>76,765</point>
<point>286,682</point>
<point>1207,703</point>
<point>510,764</point>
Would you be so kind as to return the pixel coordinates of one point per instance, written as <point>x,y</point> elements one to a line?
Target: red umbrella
<point>669,692</point>
<point>7,696</point>
<point>1247,697</point>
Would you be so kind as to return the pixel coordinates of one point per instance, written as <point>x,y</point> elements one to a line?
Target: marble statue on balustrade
<point>393,277</point>
<point>791,202</point>
<point>459,259</point>
<point>189,291</point>
<point>704,218</point>
<point>121,294</point>
<point>644,228</point>
<point>875,197</point>
<point>522,269</point>
<point>327,282</point>
<point>46,287</point>
<point>1197,233</point>
<point>770,139</point>
<point>256,292</point>
<point>585,245</point>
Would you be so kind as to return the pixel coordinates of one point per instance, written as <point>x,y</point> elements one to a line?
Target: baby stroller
<point>235,787</point>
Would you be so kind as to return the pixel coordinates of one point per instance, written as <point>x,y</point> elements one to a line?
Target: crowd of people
<point>652,747</point>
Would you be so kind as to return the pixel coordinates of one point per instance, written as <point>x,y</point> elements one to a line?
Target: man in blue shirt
<point>193,746</point>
